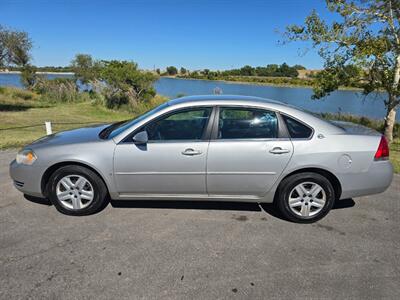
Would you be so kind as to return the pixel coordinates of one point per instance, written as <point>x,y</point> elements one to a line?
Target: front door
<point>173,162</point>
<point>246,155</point>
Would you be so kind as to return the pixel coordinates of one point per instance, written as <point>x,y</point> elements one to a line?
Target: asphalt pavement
<point>197,250</point>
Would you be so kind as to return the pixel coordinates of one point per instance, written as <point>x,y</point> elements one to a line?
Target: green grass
<point>395,155</point>
<point>17,112</point>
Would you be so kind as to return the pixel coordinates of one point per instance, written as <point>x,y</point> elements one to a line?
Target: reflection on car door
<point>173,162</point>
<point>246,154</point>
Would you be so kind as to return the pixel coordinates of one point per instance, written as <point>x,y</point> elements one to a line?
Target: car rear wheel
<point>77,191</point>
<point>305,197</point>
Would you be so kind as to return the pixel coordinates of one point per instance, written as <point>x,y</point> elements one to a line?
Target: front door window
<point>179,126</point>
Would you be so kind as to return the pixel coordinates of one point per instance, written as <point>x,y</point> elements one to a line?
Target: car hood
<point>75,136</point>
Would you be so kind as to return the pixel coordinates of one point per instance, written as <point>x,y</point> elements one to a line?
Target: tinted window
<point>125,125</point>
<point>247,123</point>
<point>183,125</point>
<point>296,129</point>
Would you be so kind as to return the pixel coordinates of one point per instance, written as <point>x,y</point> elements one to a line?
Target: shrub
<point>114,99</point>
<point>96,98</point>
<point>126,84</point>
<point>143,107</point>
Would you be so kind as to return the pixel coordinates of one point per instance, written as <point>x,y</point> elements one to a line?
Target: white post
<point>48,127</point>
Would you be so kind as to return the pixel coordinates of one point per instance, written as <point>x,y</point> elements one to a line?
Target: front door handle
<point>279,150</point>
<point>191,152</point>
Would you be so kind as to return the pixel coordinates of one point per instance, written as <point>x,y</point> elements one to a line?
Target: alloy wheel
<point>74,192</point>
<point>307,199</point>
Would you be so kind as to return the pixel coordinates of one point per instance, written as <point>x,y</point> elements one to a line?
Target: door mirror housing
<point>141,138</point>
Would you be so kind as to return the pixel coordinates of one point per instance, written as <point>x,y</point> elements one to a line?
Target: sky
<point>195,34</point>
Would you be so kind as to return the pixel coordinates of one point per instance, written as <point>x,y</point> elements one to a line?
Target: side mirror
<point>141,138</point>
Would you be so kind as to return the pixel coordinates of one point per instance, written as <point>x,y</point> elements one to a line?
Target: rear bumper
<point>27,179</point>
<point>376,180</point>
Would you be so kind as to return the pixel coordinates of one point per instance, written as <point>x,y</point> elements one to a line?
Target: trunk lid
<point>355,129</point>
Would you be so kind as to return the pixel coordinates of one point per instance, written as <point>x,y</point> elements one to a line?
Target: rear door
<point>247,152</point>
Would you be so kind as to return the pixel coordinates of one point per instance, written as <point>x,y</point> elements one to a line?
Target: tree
<point>126,84</point>
<point>172,70</point>
<point>366,35</point>
<point>247,71</point>
<point>86,69</point>
<point>28,76</point>
<point>285,71</point>
<point>182,71</point>
<point>272,70</point>
<point>299,67</point>
<point>194,74</point>
<point>14,47</point>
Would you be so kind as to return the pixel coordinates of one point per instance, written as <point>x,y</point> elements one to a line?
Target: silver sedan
<point>219,148</point>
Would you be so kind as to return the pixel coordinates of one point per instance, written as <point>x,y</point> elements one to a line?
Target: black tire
<point>289,183</point>
<point>100,193</point>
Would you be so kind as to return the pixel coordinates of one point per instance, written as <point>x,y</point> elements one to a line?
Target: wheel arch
<point>50,170</point>
<point>337,186</point>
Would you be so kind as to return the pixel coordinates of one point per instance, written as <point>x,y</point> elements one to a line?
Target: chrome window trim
<point>250,140</point>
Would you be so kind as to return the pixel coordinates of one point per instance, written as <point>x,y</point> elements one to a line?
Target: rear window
<point>297,130</point>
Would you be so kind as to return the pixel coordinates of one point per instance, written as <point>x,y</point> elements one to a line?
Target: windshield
<point>116,128</point>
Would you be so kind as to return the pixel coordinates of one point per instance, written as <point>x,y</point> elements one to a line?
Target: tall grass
<point>57,90</point>
<point>16,93</point>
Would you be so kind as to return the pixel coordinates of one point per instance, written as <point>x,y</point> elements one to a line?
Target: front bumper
<point>27,179</point>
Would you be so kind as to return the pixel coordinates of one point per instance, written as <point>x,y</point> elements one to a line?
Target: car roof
<point>283,107</point>
<point>221,98</point>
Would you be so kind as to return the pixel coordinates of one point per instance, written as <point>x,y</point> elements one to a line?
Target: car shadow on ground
<point>201,205</point>
<point>37,200</point>
<point>269,208</point>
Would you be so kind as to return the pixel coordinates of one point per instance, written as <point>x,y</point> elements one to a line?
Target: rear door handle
<point>279,150</point>
<point>191,152</point>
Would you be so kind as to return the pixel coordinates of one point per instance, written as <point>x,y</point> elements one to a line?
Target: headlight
<point>26,157</point>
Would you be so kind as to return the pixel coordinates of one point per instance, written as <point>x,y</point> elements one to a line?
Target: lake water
<point>344,101</point>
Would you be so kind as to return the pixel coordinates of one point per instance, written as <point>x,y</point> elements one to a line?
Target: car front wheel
<point>77,191</point>
<point>305,197</point>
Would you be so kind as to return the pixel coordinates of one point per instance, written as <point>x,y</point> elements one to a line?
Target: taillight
<point>383,150</point>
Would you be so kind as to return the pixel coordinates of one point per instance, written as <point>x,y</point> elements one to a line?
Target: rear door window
<point>247,123</point>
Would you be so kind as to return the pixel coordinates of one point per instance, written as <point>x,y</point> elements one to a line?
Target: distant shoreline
<point>287,85</point>
<point>342,88</point>
<point>39,72</point>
